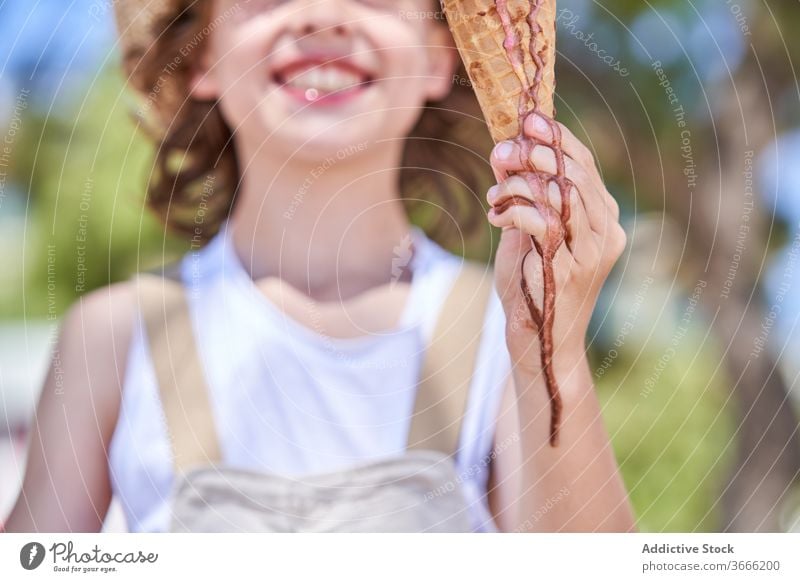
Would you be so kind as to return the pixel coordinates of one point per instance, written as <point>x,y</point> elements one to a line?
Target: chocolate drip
<point>539,182</point>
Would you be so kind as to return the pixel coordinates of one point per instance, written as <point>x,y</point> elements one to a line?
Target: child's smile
<point>323,79</point>
<point>321,74</point>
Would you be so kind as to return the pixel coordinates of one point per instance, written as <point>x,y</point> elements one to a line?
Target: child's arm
<point>575,486</point>
<point>66,485</point>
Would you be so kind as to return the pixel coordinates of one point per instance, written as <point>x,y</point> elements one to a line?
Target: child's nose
<point>325,19</point>
<point>309,29</point>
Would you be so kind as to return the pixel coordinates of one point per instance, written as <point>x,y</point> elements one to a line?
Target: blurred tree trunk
<point>748,111</point>
<point>729,231</point>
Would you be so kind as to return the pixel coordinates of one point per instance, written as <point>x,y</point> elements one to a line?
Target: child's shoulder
<point>106,306</point>
<point>89,359</point>
<point>101,322</point>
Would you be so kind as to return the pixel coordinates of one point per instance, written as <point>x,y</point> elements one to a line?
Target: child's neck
<point>330,230</point>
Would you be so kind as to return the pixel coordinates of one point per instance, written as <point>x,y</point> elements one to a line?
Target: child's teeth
<point>325,79</point>
<point>314,78</point>
<point>323,82</point>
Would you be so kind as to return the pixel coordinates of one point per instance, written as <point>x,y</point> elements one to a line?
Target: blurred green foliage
<point>88,170</point>
<point>674,442</point>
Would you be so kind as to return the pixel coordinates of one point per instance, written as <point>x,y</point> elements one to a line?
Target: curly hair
<point>196,173</point>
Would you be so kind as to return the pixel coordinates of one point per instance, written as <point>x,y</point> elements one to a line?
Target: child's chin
<point>323,140</point>
<point>318,148</point>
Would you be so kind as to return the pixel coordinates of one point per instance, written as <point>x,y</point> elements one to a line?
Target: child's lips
<point>314,96</point>
<point>322,81</point>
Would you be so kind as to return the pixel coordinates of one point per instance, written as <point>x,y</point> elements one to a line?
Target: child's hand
<point>596,242</point>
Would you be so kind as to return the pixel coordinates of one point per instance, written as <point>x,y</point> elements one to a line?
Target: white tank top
<point>292,401</point>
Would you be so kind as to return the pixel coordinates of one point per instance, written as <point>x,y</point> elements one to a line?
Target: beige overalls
<point>415,492</point>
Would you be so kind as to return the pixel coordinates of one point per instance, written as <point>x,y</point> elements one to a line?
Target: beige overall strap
<point>449,362</point>
<point>178,369</point>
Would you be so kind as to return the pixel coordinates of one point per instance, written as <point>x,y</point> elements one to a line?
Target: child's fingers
<point>538,128</point>
<point>526,218</point>
<point>590,235</point>
<point>579,165</point>
<point>543,159</point>
<point>582,243</point>
<point>594,203</point>
<point>505,160</point>
<point>513,186</point>
<point>577,155</point>
<point>519,186</point>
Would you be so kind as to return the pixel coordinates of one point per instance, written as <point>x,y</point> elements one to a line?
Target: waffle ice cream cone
<point>479,36</point>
